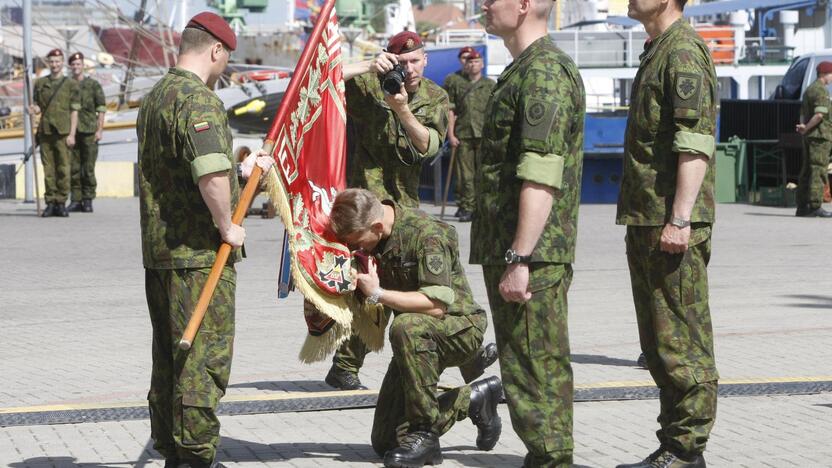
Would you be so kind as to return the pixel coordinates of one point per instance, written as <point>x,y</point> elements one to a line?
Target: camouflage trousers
<point>54,155</point>
<point>813,172</point>
<point>533,343</point>
<point>465,166</point>
<point>423,347</point>
<point>186,386</point>
<point>83,167</point>
<point>670,292</point>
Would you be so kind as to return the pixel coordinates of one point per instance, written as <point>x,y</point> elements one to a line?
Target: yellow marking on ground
<point>115,179</point>
<point>282,396</point>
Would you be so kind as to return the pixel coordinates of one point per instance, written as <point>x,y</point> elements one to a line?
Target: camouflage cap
<point>215,26</point>
<point>404,42</point>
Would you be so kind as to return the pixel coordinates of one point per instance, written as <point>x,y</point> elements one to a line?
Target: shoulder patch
<point>688,88</point>
<point>435,263</point>
<point>539,115</point>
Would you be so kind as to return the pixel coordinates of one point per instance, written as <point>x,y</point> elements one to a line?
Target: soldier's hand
<point>99,135</point>
<point>383,63</point>
<point>674,239</point>
<point>261,158</point>
<point>34,109</point>
<point>514,285</point>
<point>454,141</point>
<point>801,129</point>
<point>397,102</point>
<point>368,282</point>
<point>234,235</point>
<point>70,140</point>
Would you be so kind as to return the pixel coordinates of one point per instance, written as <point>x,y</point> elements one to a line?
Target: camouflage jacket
<point>92,102</point>
<point>452,81</point>
<point>816,101</point>
<point>55,118</point>
<point>469,101</point>
<point>422,254</point>
<point>534,131</point>
<point>672,110</point>
<point>183,134</point>
<point>384,161</point>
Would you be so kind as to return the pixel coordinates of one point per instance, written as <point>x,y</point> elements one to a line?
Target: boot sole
<point>437,460</point>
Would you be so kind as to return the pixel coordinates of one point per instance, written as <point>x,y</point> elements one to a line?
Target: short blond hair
<point>354,210</point>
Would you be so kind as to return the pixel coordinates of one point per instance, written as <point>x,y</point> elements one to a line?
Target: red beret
<point>824,68</point>
<point>55,53</point>
<point>76,56</point>
<point>215,26</point>
<point>465,50</point>
<point>474,54</point>
<point>404,42</point>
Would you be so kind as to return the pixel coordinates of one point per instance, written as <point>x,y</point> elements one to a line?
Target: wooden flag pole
<point>254,180</point>
<point>448,181</point>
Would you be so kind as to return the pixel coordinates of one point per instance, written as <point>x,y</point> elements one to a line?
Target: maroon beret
<point>404,42</point>
<point>76,56</point>
<point>215,26</point>
<point>55,53</point>
<point>474,54</point>
<point>824,68</point>
<point>465,50</point>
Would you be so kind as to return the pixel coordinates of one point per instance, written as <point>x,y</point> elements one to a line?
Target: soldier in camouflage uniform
<point>450,84</point>
<point>187,191</point>
<point>468,102</point>
<point>90,129</point>
<point>57,97</point>
<point>667,204</point>
<point>816,128</point>
<point>437,325</point>
<point>528,193</point>
<point>393,135</point>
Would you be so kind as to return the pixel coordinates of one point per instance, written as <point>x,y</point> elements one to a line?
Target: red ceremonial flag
<point>309,137</point>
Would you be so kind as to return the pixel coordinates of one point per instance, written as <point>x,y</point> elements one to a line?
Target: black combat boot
<point>418,448</point>
<point>198,464</point>
<point>485,395</point>
<point>807,211</point>
<point>60,210</point>
<point>486,356</point>
<point>666,459</point>
<point>343,380</point>
<point>75,207</point>
<point>48,211</point>
<point>86,205</point>
<point>465,216</point>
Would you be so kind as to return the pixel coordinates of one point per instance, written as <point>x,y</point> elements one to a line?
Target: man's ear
<point>377,227</point>
<point>216,50</point>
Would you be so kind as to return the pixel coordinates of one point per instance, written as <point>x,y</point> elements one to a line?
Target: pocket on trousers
<point>199,423</point>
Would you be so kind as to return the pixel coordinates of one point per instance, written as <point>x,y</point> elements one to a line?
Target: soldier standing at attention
<point>667,204</point>
<point>90,130</point>
<point>393,134</point>
<point>468,104</point>
<point>187,192</point>
<point>437,325</point>
<point>528,192</point>
<point>450,85</point>
<point>57,97</point>
<point>816,128</point>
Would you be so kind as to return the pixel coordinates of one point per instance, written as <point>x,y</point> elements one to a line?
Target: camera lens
<point>392,81</point>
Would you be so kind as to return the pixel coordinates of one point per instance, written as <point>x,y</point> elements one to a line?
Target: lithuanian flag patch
<point>201,126</point>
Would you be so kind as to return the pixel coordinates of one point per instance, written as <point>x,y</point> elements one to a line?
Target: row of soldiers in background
<point>816,128</point>
<point>71,124</point>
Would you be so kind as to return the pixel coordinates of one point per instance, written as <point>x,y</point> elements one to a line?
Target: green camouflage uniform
<point>53,129</point>
<point>817,147</point>
<point>672,111</point>
<point>533,132</point>
<point>86,147</point>
<point>183,135</point>
<point>468,101</point>
<point>384,162</point>
<point>422,254</point>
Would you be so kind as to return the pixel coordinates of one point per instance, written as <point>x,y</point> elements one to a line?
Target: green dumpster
<point>731,176</point>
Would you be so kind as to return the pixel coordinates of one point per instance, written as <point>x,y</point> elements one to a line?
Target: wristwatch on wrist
<point>512,257</point>
<point>375,296</point>
<point>679,222</point>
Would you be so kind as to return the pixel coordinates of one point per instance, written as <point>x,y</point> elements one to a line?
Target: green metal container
<point>731,174</point>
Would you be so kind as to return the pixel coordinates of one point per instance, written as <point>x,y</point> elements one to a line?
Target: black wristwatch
<point>512,257</point>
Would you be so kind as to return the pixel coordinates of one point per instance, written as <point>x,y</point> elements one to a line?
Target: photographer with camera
<point>399,119</point>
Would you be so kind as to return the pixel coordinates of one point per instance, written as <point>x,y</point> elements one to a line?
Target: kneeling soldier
<point>437,325</point>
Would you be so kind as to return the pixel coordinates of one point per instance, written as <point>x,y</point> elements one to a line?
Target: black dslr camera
<point>392,81</point>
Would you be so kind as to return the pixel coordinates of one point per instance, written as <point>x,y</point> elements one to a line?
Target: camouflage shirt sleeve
<point>434,270</point>
<point>98,98</point>
<point>74,95</point>
<point>545,107</point>
<point>203,122</point>
<point>818,100</point>
<point>449,86</point>
<point>436,122</point>
<point>691,84</point>
<point>358,93</point>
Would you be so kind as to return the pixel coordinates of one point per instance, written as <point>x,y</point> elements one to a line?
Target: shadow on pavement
<point>287,385</point>
<point>811,301</point>
<point>602,360</point>
<point>485,459</point>
<point>61,462</point>
<point>236,450</point>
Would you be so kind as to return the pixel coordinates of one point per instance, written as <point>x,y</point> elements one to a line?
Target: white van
<point>801,74</point>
